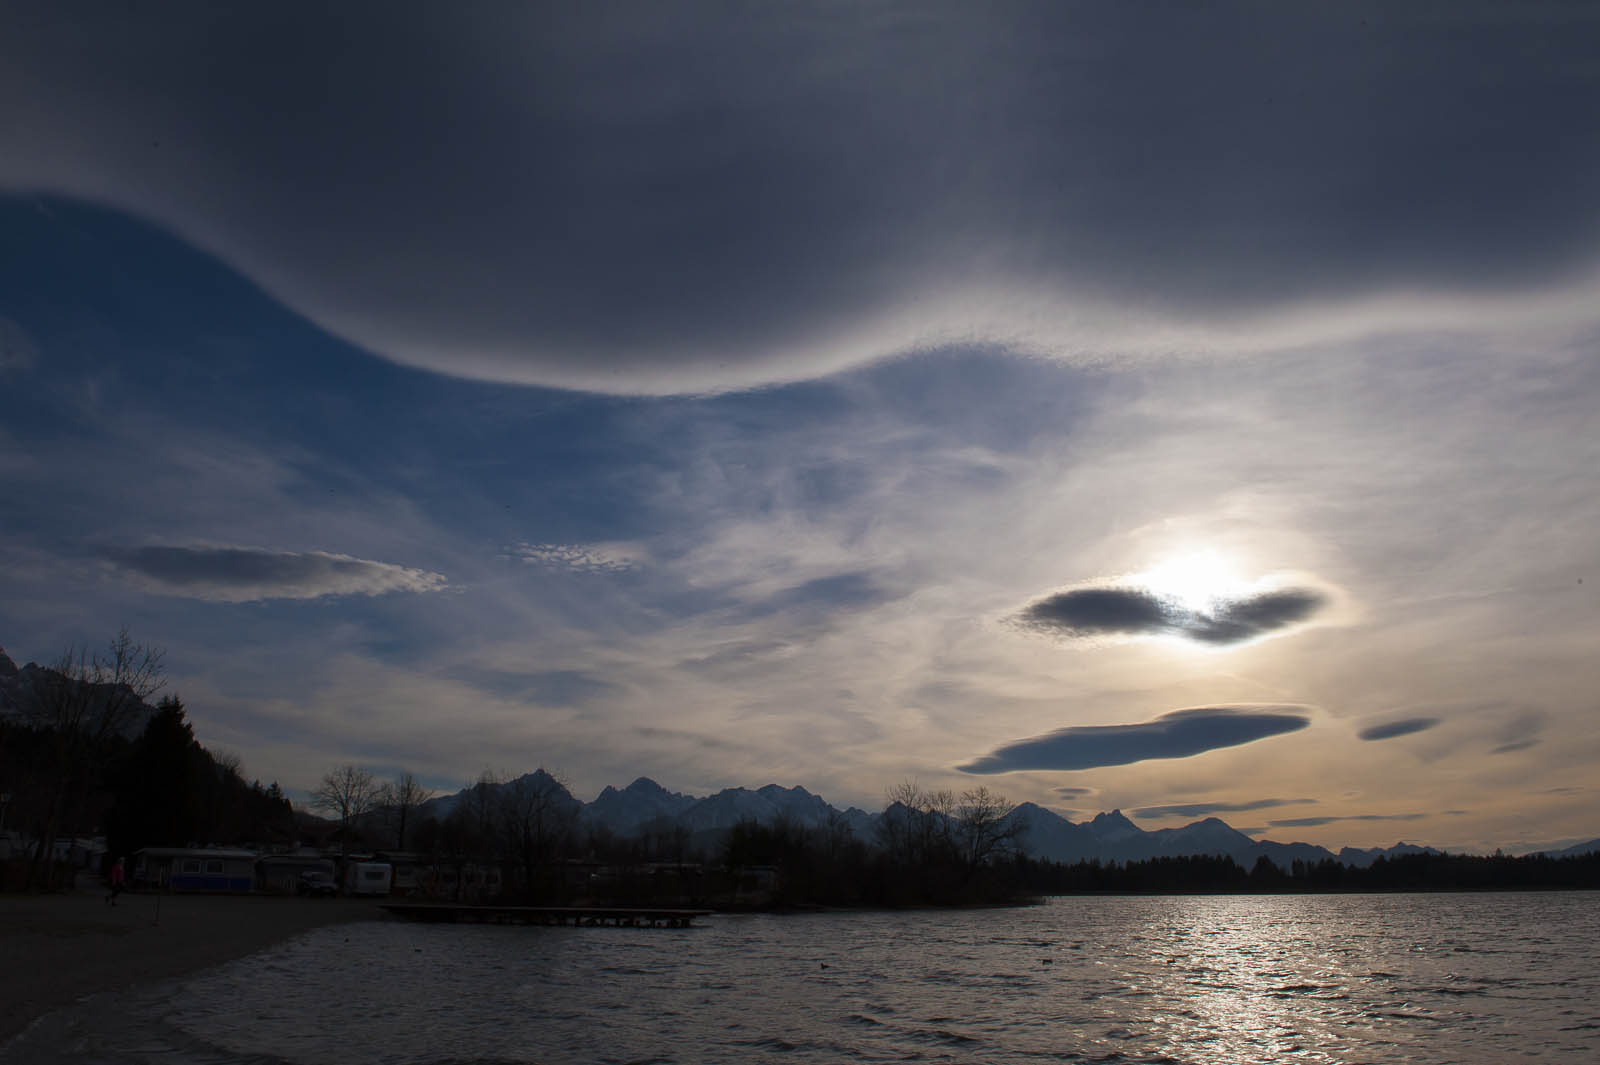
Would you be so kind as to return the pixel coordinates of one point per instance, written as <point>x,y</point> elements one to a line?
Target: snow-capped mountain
<point>1048,835</point>
<point>27,690</point>
<point>1210,836</point>
<point>767,804</point>
<point>1112,837</point>
<point>1575,850</point>
<point>537,783</point>
<point>641,802</point>
<point>646,806</point>
<point>1114,828</point>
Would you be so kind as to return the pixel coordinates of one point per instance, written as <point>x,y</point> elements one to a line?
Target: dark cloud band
<point>1314,822</point>
<point>1118,611</point>
<point>1206,809</point>
<point>681,197</point>
<point>1403,727</point>
<point>245,574</point>
<point>1179,734</point>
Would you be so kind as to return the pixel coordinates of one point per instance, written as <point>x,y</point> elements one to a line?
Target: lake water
<point>1211,981</point>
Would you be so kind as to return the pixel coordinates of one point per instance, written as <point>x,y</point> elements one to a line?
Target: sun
<point>1197,580</point>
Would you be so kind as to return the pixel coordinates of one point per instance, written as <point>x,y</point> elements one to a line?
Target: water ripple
<point>1175,981</point>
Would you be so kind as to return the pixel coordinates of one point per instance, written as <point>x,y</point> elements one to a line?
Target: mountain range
<point>24,693</point>
<point>646,807</point>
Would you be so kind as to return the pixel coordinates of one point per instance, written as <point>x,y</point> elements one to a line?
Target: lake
<point>1484,978</point>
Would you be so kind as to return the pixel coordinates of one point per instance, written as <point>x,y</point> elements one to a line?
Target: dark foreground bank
<point>59,948</point>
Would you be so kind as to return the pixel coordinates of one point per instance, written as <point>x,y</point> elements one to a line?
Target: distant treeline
<point>1221,875</point>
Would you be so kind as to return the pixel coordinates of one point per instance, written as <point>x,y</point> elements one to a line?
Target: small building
<point>279,874</point>
<point>194,869</point>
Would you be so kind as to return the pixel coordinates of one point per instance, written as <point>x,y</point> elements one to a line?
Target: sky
<point>1187,410</point>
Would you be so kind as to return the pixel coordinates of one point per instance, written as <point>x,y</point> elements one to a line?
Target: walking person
<point>117,878</point>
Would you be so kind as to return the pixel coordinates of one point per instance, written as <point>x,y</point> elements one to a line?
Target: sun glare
<point>1197,580</point>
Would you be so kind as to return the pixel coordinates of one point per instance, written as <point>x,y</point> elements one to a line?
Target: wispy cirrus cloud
<point>247,574</point>
<point>1130,611</point>
<point>1180,734</point>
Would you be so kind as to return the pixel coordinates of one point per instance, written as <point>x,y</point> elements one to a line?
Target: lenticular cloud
<point>1180,734</point>
<point>1117,611</point>
<point>246,574</point>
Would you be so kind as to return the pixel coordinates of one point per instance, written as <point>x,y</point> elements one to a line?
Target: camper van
<point>368,878</point>
<point>205,869</point>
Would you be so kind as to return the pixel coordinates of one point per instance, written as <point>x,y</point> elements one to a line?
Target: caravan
<point>367,878</point>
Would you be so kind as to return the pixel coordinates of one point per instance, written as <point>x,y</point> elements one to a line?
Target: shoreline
<point>61,948</point>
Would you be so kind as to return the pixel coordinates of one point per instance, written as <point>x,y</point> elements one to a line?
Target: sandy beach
<point>59,948</point>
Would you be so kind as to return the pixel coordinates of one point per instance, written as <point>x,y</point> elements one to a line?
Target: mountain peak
<point>771,790</point>
<point>1033,809</point>
<point>1114,826</point>
<point>8,668</point>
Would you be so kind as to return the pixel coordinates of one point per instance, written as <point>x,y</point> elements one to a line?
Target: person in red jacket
<point>118,878</point>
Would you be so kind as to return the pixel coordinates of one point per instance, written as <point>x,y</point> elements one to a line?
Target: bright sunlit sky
<point>1181,409</point>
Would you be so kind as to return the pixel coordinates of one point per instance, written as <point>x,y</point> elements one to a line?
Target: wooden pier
<point>574,916</point>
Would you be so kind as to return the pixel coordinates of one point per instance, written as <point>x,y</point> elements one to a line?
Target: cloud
<point>1206,809</point>
<point>1073,793</point>
<point>17,350</point>
<point>1179,734</point>
<point>822,596</point>
<point>1519,731</point>
<point>682,737</point>
<point>1116,611</point>
<point>246,574</point>
<point>1402,727</point>
<point>553,687</point>
<point>685,200</point>
<point>582,558</point>
<point>1313,822</point>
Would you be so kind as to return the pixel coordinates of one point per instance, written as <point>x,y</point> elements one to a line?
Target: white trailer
<point>368,878</point>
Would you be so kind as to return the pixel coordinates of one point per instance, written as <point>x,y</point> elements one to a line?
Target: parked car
<point>315,882</point>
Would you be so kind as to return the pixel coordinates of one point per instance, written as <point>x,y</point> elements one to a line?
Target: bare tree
<point>917,826</point>
<point>986,827</point>
<point>467,833</point>
<point>537,819</point>
<point>836,836</point>
<point>349,792</point>
<point>898,827</point>
<point>85,702</point>
<point>401,797</point>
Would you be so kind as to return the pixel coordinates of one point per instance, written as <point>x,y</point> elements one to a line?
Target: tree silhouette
<point>86,703</point>
<point>350,793</point>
